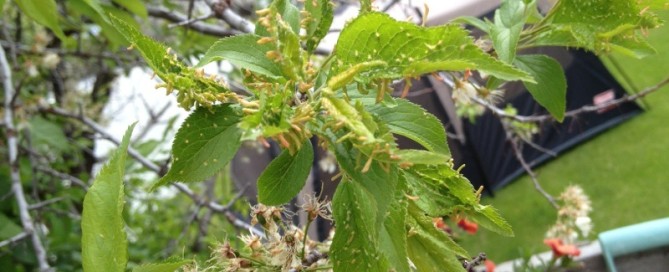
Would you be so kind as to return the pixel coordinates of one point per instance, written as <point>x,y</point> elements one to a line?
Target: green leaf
<point>205,143</point>
<point>473,21</point>
<point>285,176</point>
<point>321,13</point>
<point>355,246</point>
<point>489,218</point>
<point>8,228</point>
<point>103,238</point>
<point>134,6</point>
<point>505,32</point>
<point>44,12</point>
<point>411,50</point>
<point>365,6</point>
<point>166,266</point>
<point>95,5</point>
<point>393,234</point>
<point>550,89</point>
<point>431,249</point>
<point>402,120</point>
<point>244,52</point>
<point>597,25</point>
<point>47,135</point>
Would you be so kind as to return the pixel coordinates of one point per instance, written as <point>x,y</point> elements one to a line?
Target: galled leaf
<point>321,13</point>
<point>411,50</point>
<point>244,52</point>
<point>103,238</point>
<point>393,234</point>
<point>550,89</point>
<point>166,266</point>
<point>355,246</point>
<point>285,176</point>
<point>431,249</point>
<point>194,87</point>
<point>206,141</point>
<point>598,25</point>
<point>489,218</point>
<point>380,183</point>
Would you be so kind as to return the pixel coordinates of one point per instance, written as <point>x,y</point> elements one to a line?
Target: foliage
<point>386,198</point>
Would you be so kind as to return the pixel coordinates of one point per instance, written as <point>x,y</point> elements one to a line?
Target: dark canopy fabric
<point>489,157</point>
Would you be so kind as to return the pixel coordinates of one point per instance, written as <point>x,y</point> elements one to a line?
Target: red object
<point>468,226</point>
<point>489,266</point>
<point>560,249</point>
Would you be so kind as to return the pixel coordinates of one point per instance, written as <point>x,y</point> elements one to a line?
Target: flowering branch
<point>12,146</point>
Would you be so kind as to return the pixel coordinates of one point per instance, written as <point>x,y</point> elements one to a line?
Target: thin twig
<point>533,176</point>
<point>54,173</point>
<point>201,27</point>
<point>469,265</point>
<point>45,203</point>
<point>12,147</point>
<point>14,239</point>
<point>191,21</point>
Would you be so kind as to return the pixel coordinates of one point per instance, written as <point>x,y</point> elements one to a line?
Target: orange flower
<point>489,266</point>
<point>468,226</point>
<point>560,249</point>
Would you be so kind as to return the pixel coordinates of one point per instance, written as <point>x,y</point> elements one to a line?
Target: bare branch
<point>14,239</point>
<point>54,173</point>
<point>572,113</point>
<point>201,27</point>
<point>533,176</point>
<point>12,146</point>
<point>190,21</point>
<point>222,11</point>
<point>45,203</point>
<point>214,206</point>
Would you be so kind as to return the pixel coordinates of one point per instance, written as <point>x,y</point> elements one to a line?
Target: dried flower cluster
<point>284,247</point>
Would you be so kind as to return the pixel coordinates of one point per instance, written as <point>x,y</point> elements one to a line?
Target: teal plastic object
<point>634,238</point>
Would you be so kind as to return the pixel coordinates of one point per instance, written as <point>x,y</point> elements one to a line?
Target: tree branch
<point>572,113</point>
<point>222,11</point>
<point>14,239</point>
<point>533,176</point>
<point>198,26</point>
<point>12,146</point>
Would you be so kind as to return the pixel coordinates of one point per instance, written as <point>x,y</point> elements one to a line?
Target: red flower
<point>468,226</point>
<point>489,266</point>
<point>440,224</point>
<point>560,249</point>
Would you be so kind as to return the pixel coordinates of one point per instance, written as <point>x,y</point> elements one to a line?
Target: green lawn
<point>625,170</point>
